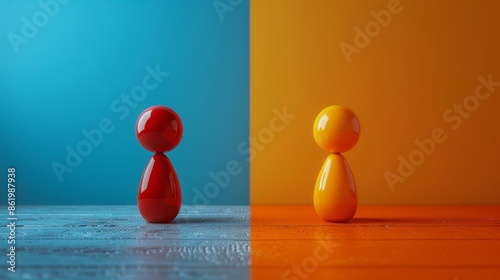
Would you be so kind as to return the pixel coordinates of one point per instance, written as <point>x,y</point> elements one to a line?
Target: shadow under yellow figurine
<point>336,130</point>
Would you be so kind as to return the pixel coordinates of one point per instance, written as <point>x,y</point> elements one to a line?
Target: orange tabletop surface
<point>380,242</point>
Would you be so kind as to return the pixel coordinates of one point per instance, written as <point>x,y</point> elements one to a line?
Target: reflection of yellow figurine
<point>336,130</point>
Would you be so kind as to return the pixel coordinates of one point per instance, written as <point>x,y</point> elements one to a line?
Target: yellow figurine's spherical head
<point>336,129</point>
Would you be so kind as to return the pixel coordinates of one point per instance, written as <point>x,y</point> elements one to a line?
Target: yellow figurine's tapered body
<point>335,198</point>
<point>336,130</point>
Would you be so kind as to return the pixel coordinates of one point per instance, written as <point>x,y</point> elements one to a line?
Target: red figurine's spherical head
<point>159,129</point>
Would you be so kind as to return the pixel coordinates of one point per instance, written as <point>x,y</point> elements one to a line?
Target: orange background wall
<point>400,84</point>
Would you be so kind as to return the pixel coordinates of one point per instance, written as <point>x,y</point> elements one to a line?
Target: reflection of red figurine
<point>159,129</point>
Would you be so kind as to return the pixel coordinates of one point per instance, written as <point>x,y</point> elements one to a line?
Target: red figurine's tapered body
<point>159,198</point>
<point>159,129</point>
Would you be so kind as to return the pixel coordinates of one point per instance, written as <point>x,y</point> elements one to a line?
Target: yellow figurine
<point>336,130</point>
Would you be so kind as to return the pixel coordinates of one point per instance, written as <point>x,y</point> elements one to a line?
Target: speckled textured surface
<point>114,242</point>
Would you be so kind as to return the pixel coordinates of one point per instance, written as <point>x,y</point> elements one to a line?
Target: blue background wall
<point>71,75</point>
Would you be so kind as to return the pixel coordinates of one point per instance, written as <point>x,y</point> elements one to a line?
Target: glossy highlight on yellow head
<point>336,129</point>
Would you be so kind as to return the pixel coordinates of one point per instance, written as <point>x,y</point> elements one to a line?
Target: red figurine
<point>159,129</point>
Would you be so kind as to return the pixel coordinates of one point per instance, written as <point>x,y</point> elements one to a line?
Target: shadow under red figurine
<point>159,129</point>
